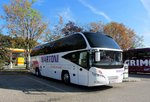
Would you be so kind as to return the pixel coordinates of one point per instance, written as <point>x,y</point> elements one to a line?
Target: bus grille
<point>112,77</point>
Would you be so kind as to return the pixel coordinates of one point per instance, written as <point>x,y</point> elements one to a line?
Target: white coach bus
<point>88,59</point>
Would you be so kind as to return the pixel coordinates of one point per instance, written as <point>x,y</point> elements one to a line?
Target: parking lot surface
<point>25,87</point>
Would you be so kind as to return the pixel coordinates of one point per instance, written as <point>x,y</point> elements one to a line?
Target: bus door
<point>79,72</point>
<point>74,58</point>
<point>83,68</point>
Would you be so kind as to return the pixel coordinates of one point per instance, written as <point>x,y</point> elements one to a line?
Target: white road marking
<point>46,84</point>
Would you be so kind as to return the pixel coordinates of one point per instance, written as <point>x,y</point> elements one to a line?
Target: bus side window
<point>79,58</point>
<point>73,57</point>
<point>83,59</point>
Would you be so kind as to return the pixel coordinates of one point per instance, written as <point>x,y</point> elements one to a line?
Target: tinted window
<point>73,42</point>
<point>73,57</point>
<point>80,58</point>
<point>101,40</point>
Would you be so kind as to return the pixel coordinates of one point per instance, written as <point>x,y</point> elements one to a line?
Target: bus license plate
<point>112,79</point>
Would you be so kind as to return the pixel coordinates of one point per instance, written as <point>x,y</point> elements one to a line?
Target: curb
<point>13,72</point>
<point>131,80</point>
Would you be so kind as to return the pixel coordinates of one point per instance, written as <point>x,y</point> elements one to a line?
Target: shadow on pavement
<point>30,84</point>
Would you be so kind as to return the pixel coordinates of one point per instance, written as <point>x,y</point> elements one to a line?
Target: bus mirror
<point>97,56</point>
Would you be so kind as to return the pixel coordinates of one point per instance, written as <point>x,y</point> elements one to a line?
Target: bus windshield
<point>101,40</point>
<point>109,59</point>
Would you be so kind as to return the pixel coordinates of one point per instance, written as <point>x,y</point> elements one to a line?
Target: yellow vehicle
<point>20,61</point>
<point>18,56</point>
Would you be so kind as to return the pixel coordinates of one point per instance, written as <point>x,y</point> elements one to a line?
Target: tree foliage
<point>124,36</point>
<point>96,27</point>
<point>7,42</point>
<point>4,52</point>
<point>56,33</point>
<point>70,28</point>
<point>137,41</point>
<point>25,22</point>
<point>61,29</point>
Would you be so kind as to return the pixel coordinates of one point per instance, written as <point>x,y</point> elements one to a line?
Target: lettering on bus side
<point>138,62</point>
<point>50,59</point>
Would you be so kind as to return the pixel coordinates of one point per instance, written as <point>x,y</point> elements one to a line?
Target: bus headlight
<point>97,75</point>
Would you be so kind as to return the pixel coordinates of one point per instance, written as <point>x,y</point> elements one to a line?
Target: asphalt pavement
<point>25,87</point>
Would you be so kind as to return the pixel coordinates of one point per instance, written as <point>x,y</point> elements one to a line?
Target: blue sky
<point>134,14</point>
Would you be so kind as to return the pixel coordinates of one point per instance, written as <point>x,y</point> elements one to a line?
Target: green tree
<point>25,22</point>
<point>5,43</point>
<point>18,42</point>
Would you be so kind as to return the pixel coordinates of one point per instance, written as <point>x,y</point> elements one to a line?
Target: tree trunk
<point>28,57</point>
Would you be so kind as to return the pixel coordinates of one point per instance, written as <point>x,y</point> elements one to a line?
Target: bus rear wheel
<point>37,72</point>
<point>66,77</point>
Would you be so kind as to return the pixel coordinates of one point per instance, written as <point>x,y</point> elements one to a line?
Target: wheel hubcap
<point>66,77</point>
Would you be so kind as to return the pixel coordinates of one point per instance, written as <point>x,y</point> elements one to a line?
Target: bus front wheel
<point>66,77</point>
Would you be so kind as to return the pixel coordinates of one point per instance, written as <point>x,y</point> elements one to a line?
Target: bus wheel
<point>37,72</point>
<point>66,77</point>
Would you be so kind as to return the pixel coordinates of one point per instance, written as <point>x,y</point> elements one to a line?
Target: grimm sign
<point>138,62</point>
